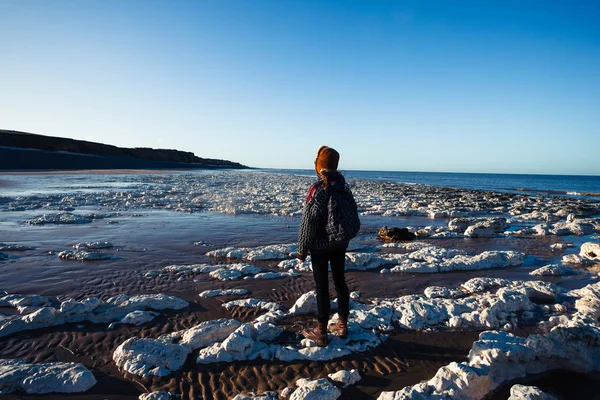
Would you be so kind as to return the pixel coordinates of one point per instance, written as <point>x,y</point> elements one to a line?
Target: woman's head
<point>327,160</point>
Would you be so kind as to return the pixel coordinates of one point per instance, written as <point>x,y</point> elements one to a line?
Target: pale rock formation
<point>44,378</point>
<point>139,317</point>
<point>160,357</point>
<point>485,260</point>
<point>576,259</point>
<point>540,216</point>
<point>252,303</point>
<point>20,300</point>
<point>560,246</point>
<point>145,356</point>
<point>346,378</point>
<point>320,389</point>
<point>461,225</point>
<point>246,343</point>
<point>13,247</point>
<point>269,395</point>
<point>433,254</point>
<point>306,304</point>
<point>42,318</point>
<point>224,274</point>
<point>234,271</point>
<point>223,292</point>
<point>497,357</point>
<point>590,251</point>
<point>296,264</point>
<point>553,270</point>
<point>574,227</point>
<point>91,309</point>
<point>276,275</point>
<point>521,392</point>
<point>61,218</point>
<point>155,396</point>
<point>406,246</point>
<point>92,246</point>
<point>118,306</point>
<point>270,252</point>
<point>433,292</point>
<point>542,229</point>
<point>204,334</point>
<point>83,255</point>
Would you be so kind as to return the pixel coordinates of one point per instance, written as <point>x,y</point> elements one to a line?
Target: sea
<point>571,185</point>
<point>562,185</point>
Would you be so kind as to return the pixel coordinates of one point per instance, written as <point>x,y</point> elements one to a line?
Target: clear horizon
<point>464,87</point>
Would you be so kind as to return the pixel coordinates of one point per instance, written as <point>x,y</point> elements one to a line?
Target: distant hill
<point>21,150</point>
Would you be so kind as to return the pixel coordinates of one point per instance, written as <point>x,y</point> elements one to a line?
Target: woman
<point>329,221</point>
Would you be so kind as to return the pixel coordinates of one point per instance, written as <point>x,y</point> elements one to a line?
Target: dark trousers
<point>320,262</point>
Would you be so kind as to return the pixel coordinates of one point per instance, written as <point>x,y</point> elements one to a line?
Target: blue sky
<point>463,86</point>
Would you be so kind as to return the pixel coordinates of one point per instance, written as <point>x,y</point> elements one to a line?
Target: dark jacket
<point>313,236</point>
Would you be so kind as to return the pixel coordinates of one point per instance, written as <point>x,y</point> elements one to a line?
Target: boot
<point>318,334</point>
<point>340,328</point>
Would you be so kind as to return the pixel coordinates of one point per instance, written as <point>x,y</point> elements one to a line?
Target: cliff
<point>21,150</point>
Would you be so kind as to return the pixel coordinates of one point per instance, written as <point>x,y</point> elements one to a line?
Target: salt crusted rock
<point>553,270</point>
<point>13,247</point>
<point>298,265</point>
<point>44,378</point>
<point>19,300</point>
<point>234,271</point>
<point>275,275</point>
<point>117,307</point>
<point>521,392</point>
<point>560,246</point>
<point>347,378</point>
<point>485,260</point>
<point>433,254</point>
<point>320,389</point>
<point>460,225</point>
<point>270,252</point>
<point>139,317</point>
<point>269,395</point>
<point>155,396</point>
<point>578,228</point>
<point>252,303</point>
<point>61,218</point>
<point>145,356</point>
<point>160,357</point>
<point>590,251</point>
<point>83,255</point>
<point>498,357</point>
<point>92,245</point>
<point>223,292</point>
<point>205,333</point>
<point>246,343</point>
<point>438,291</point>
<point>576,259</point>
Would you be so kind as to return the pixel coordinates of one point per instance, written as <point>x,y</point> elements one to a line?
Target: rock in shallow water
<point>83,255</point>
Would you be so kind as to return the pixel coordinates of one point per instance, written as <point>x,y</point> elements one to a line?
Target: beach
<point>184,233</point>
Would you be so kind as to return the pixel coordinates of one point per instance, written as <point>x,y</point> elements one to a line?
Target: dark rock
<point>395,234</point>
